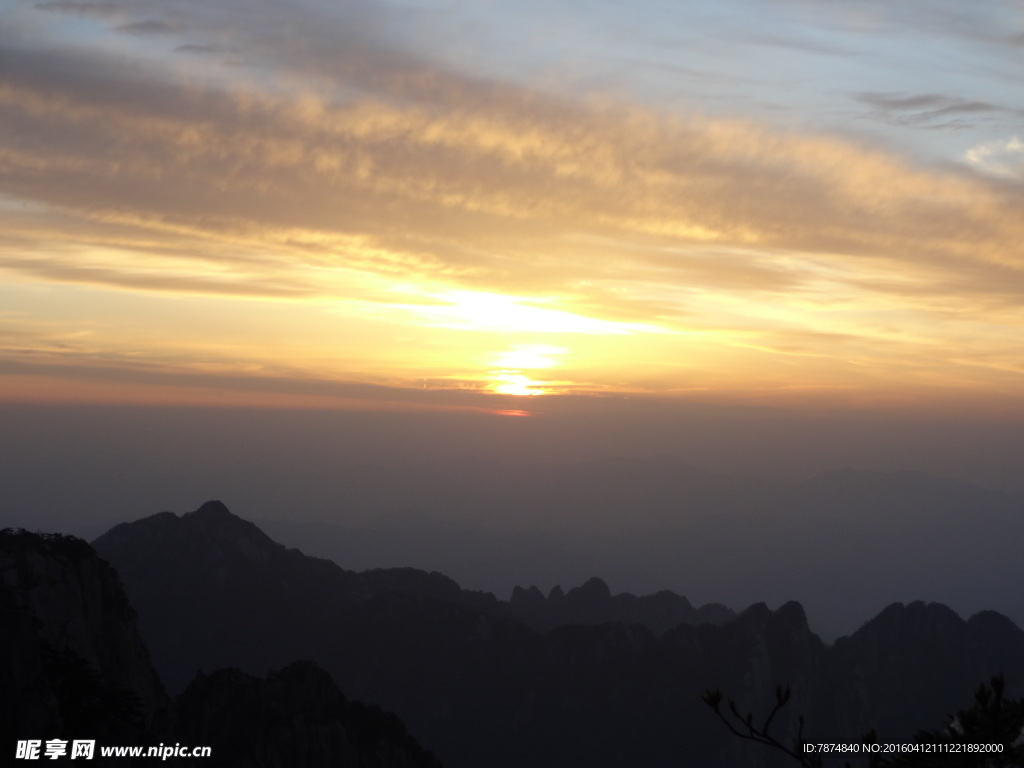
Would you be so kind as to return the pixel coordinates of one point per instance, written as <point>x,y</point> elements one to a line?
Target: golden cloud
<point>616,214</point>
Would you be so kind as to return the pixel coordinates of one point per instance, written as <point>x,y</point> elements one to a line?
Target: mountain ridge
<point>647,525</point>
<point>466,675</point>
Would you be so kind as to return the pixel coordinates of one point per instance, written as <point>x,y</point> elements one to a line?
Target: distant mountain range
<point>580,678</point>
<point>846,543</point>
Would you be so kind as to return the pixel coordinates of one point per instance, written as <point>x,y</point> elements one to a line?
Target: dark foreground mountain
<point>73,660</point>
<point>73,666</point>
<point>479,684</point>
<point>294,717</point>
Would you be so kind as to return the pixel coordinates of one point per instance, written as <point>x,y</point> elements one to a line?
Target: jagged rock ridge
<point>593,603</point>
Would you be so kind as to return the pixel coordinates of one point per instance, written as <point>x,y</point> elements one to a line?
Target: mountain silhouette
<point>483,682</point>
<point>73,666</point>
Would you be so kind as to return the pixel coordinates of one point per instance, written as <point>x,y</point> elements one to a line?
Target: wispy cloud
<point>928,103</point>
<point>101,10</point>
<point>128,276</point>
<point>797,43</point>
<point>202,50</point>
<point>149,27</point>
<point>929,110</point>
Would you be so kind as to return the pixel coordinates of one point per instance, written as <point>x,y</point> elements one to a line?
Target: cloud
<point>128,275</point>
<point>101,10</point>
<point>930,110</point>
<point>802,45</point>
<point>338,168</point>
<point>171,381</point>
<point>149,27</point>
<point>453,179</point>
<point>930,103</point>
<point>202,50</point>
<point>1003,158</point>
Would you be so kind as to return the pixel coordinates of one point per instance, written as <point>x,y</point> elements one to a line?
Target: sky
<point>288,254</point>
<point>480,206</point>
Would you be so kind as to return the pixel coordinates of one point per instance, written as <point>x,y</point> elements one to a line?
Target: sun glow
<point>515,383</point>
<point>532,356</point>
<point>487,311</point>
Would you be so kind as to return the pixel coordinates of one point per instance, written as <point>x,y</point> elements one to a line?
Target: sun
<point>509,378</point>
<point>515,383</point>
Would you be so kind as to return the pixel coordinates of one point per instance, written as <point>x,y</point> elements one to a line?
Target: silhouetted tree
<point>745,726</point>
<point>991,721</point>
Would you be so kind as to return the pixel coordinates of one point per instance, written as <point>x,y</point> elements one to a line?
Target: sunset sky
<point>431,204</point>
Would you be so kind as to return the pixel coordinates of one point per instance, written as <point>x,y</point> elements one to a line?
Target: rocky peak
<point>212,509</point>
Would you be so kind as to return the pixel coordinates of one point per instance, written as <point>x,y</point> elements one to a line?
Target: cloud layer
<point>325,165</point>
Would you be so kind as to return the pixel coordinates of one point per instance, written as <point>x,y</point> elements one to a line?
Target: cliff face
<point>28,703</point>
<point>77,630</point>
